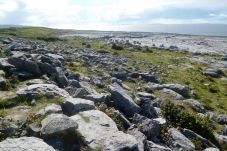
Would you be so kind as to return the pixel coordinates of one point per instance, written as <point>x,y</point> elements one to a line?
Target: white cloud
<point>6,7</point>
<point>218,15</point>
<point>180,21</point>
<point>100,13</point>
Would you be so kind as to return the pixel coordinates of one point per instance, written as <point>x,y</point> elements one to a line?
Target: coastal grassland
<point>39,33</point>
<point>175,67</point>
<point>172,67</point>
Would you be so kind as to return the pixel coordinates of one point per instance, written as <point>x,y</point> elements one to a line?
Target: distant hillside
<point>8,26</point>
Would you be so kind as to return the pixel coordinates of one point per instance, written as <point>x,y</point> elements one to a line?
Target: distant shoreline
<point>211,30</point>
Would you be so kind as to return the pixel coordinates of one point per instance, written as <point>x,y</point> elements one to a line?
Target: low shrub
<point>49,39</point>
<point>178,116</point>
<point>103,51</point>
<point>117,47</point>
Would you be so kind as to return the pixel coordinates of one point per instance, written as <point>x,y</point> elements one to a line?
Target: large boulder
<point>149,77</point>
<point>196,105</point>
<point>172,94</point>
<point>60,77</point>
<point>74,105</point>
<point>147,109</point>
<point>25,62</point>
<point>123,101</point>
<point>192,135</point>
<point>151,146</point>
<point>46,68</point>
<point>100,131</point>
<point>150,128</point>
<point>25,144</point>
<point>7,128</point>
<point>178,141</point>
<point>57,124</point>
<point>49,62</point>
<point>37,90</point>
<point>182,90</point>
<point>56,57</point>
<point>18,119</point>
<point>140,137</point>
<point>5,65</point>
<point>80,93</point>
<point>51,59</point>
<point>120,141</point>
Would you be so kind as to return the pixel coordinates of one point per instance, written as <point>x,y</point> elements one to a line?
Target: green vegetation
<point>79,69</point>
<point>7,104</point>
<point>117,47</point>
<point>36,121</point>
<point>46,34</point>
<point>173,67</point>
<point>3,113</point>
<point>199,145</point>
<point>181,117</point>
<point>10,102</point>
<point>170,67</point>
<point>41,103</point>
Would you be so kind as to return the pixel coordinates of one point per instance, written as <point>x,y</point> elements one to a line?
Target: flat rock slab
<point>48,90</point>
<point>178,141</point>
<point>74,105</point>
<point>182,90</point>
<point>123,101</point>
<point>196,105</point>
<point>172,94</point>
<point>100,131</point>
<point>211,149</point>
<point>151,146</point>
<point>57,124</point>
<point>50,109</point>
<point>120,141</point>
<point>140,137</point>
<point>25,144</point>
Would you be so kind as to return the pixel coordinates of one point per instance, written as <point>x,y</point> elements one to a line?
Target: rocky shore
<point>170,41</point>
<point>58,96</point>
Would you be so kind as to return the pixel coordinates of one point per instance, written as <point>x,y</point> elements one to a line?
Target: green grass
<point>40,33</point>
<point>213,96</point>
<point>182,117</point>
<point>15,101</point>
<point>171,65</point>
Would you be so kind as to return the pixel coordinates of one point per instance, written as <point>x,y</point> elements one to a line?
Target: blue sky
<point>108,14</point>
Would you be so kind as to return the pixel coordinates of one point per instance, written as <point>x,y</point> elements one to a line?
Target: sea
<point>189,29</point>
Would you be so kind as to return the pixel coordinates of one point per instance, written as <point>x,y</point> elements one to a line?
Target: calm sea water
<point>192,29</point>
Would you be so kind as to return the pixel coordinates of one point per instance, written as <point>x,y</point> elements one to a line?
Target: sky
<point>108,14</point>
